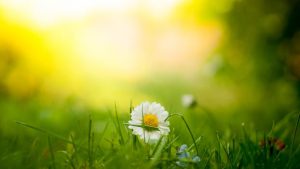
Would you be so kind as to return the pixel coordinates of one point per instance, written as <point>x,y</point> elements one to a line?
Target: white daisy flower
<point>148,121</point>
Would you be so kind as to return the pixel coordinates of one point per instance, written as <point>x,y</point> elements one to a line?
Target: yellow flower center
<point>151,120</point>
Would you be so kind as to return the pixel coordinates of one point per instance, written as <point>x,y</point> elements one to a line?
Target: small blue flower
<point>196,159</point>
<point>182,148</point>
<point>184,157</point>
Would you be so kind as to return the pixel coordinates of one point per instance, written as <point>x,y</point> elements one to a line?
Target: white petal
<point>151,137</point>
<point>135,122</point>
<point>164,130</point>
<point>156,108</point>
<point>163,116</point>
<point>141,109</point>
<point>164,123</point>
<point>144,107</point>
<point>144,134</point>
<point>137,130</point>
<point>154,136</point>
<point>136,115</point>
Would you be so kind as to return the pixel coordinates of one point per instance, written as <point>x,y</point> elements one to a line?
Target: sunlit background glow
<point>99,50</point>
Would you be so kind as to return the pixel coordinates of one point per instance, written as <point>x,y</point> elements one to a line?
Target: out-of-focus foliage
<point>237,57</point>
<point>260,56</point>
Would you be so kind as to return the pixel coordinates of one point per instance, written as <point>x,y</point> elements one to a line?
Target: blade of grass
<point>193,145</point>
<point>224,148</point>
<point>293,142</point>
<point>51,153</point>
<point>171,142</point>
<point>206,164</point>
<point>74,154</point>
<point>156,147</point>
<point>119,126</point>
<point>134,142</point>
<point>103,132</point>
<point>43,131</point>
<point>69,159</point>
<point>187,126</point>
<point>295,132</point>
<point>143,126</point>
<point>90,135</point>
<point>158,151</point>
<point>143,123</point>
<point>130,107</point>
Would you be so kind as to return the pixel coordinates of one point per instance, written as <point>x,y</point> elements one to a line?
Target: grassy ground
<point>83,138</point>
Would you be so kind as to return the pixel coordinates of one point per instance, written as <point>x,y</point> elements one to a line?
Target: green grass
<point>103,140</point>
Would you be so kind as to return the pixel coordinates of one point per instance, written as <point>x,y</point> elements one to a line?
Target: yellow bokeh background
<point>99,51</point>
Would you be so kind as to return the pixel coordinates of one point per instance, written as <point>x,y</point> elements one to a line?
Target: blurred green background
<point>237,57</point>
<point>62,60</point>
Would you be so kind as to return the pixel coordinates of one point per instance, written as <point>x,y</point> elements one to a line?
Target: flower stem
<point>187,126</point>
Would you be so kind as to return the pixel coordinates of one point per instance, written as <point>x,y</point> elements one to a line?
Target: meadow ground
<point>84,138</point>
